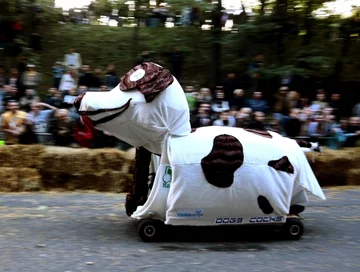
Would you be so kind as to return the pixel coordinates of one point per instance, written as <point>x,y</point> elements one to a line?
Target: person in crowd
<point>86,77</point>
<point>111,80</point>
<point>104,88</point>
<point>68,103</point>
<point>257,103</point>
<point>204,96</point>
<point>58,70</point>
<point>176,60</point>
<point>2,75</point>
<point>62,127</point>
<point>225,120</point>
<point>231,83</point>
<point>82,89</point>
<point>29,136</point>
<point>352,131</point>
<point>315,127</point>
<point>56,99</point>
<point>29,98</point>
<point>356,110</point>
<point>84,133</point>
<point>335,104</point>
<point>202,118</point>
<point>243,117</point>
<point>98,79</point>
<point>258,121</point>
<point>72,60</point>
<point>220,104</point>
<point>10,93</point>
<point>13,122</point>
<point>14,78</point>
<point>191,98</point>
<point>30,79</point>
<point>320,103</point>
<point>68,81</point>
<point>293,125</point>
<point>238,99</point>
<point>39,118</point>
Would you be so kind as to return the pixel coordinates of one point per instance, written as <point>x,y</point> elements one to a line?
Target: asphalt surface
<point>70,232</point>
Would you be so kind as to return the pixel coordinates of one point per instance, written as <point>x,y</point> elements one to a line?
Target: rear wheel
<point>293,229</point>
<point>151,230</point>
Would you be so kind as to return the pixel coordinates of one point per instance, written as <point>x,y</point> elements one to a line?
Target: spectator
<point>219,104</point>
<point>69,98</point>
<point>225,120</point>
<point>82,89</point>
<point>39,118</point>
<point>68,81</point>
<point>10,93</point>
<point>319,104</point>
<point>14,79</point>
<point>352,131</point>
<point>83,134</point>
<point>86,77</point>
<point>230,84</point>
<point>176,59</point>
<point>28,99</point>
<point>204,95</point>
<point>356,110</point>
<point>238,99</point>
<point>257,103</point>
<point>2,75</point>
<point>258,122</point>
<point>111,80</point>
<point>202,118</point>
<point>104,88</point>
<point>29,136</point>
<point>98,78</point>
<point>56,100</point>
<point>30,79</point>
<point>58,71</point>
<point>190,97</point>
<point>62,127</point>
<point>72,60</point>
<point>243,117</point>
<point>13,122</point>
<point>293,125</point>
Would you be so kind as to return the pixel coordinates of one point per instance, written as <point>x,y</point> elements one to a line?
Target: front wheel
<point>293,229</point>
<point>151,230</point>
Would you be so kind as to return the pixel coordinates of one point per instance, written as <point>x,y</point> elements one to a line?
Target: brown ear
<point>225,157</point>
<point>155,80</point>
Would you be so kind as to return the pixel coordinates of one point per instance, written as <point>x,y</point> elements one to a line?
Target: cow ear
<point>150,79</point>
<point>221,163</point>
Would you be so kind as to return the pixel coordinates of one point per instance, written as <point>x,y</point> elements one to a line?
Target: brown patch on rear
<point>225,157</point>
<point>282,164</point>
<point>262,133</point>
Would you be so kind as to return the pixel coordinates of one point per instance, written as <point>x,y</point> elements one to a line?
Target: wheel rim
<point>149,231</point>
<point>294,230</point>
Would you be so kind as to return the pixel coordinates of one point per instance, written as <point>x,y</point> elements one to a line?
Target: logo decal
<point>228,220</point>
<point>267,219</point>
<point>192,214</point>
<point>167,177</point>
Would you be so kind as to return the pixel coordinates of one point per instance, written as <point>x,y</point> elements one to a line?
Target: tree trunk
<point>262,7</point>
<point>216,46</point>
<point>308,24</point>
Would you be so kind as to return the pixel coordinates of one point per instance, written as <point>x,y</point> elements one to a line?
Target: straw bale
<point>353,177</point>
<point>29,179</point>
<point>9,179</point>
<point>67,160</point>
<point>19,179</point>
<point>21,155</point>
<point>112,159</point>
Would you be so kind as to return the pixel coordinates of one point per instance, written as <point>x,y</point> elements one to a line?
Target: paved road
<point>90,232</point>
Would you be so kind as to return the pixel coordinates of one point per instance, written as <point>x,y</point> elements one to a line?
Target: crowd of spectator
<point>27,119</point>
<point>287,112</point>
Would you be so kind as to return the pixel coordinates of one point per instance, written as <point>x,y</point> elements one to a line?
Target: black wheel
<point>293,229</point>
<point>151,230</point>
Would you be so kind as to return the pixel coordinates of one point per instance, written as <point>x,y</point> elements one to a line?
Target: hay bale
<point>111,159</point>
<point>29,179</point>
<point>21,155</point>
<point>67,160</point>
<point>353,177</point>
<point>19,179</point>
<point>333,167</point>
<point>9,179</point>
